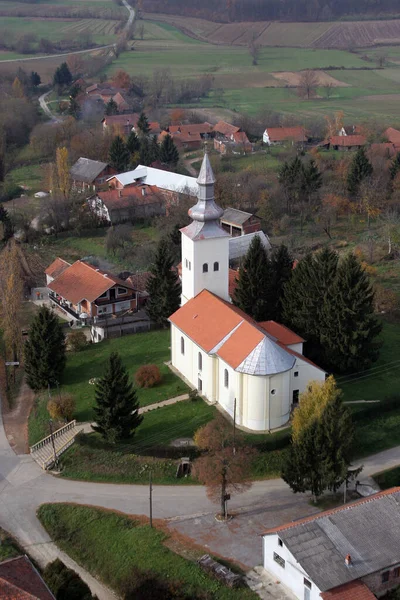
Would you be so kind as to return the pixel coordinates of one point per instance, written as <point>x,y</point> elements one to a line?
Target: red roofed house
<point>279,135</point>
<point>345,142</point>
<point>229,137</point>
<point>19,580</point>
<point>84,289</point>
<point>392,135</point>
<point>346,553</point>
<point>129,204</point>
<point>224,353</point>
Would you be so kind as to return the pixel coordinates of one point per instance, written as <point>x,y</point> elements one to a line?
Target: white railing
<point>55,435</point>
<point>49,461</point>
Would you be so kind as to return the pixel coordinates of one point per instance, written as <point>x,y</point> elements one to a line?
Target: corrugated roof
<point>355,590</point>
<point>239,245</point>
<point>235,216</point>
<point>57,267</point>
<point>165,180</point>
<point>82,281</point>
<point>87,170</point>
<point>368,530</point>
<point>19,580</point>
<point>220,328</point>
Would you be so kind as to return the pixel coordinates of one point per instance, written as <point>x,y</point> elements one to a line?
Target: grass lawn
<point>388,479</point>
<point>135,350</point>
<point>8,546</point>
<point>115,548</point>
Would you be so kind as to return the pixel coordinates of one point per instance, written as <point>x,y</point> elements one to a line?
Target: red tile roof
<point>57,267</point>
<point>385,149</point>
<point>392,135</point>
<point>191,129</point>
<point>19,580</point>
<point>240,137</point>
<point>332,511</point>
<point>280,134</point>
<point>355,590</point>
<point>82,281</point>
<point>127,197</point>
<point>281,333</point>
<point>121,120</point>
<point>225,129</point>
<point>347,141</point>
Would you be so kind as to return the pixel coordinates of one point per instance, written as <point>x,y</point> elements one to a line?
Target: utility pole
<point>52,442</point>
<point>234,426</point>
<point>151,497</point>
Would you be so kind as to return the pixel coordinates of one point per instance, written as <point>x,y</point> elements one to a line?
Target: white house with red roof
<point>225,354</point>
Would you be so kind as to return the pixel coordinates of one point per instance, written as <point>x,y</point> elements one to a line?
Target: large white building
<point>225,354</point>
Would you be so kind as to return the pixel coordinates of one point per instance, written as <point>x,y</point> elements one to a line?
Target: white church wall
<point>301,374</point>
<point>187,269</point>
<point>227,394</point>
<point>182,361</point>
<point>280,399</point>
<point>255,399</point>
<point>291,574</point>
<point>208,252</point>
<point>296,347</point>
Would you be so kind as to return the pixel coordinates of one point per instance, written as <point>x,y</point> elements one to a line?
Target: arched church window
<point>216,266</point>
<point>182,346</point>
<point>200,361</point>
<point>226,378</point>
<point>205,268</point>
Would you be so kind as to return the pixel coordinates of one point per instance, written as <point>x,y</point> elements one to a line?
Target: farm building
<point>231,138</point>
<point>204,130</point>
<point>347,553</point>
<point>344,142</point>
<point>121,124</point>
<point>280,135</point>
<point>237,222</point>
<point>130,204</point>
<point>384,149</point>
<point>392,135</point>
<point>183,140</point>
<point>89,174</point>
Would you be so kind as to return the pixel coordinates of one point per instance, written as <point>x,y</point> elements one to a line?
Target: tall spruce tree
<point>111,107</point>
<point>62,76</point>
<point>253,290</point>
<point>117,405</point>
<point>44,350</point>
<point>143,125</point>
<point>360,169</point>
<point>163,286</point>
<point>7,229</point>
<point>133,143</point>
<point>145,152</point>
<point>169,154</point>
<point>305,296</point>
<point>119,154</point>
<point>281,268</point>
<point>351,327</point>
<point>154,149</point>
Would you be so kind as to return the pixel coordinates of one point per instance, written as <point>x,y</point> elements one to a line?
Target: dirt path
<point>16,420</point>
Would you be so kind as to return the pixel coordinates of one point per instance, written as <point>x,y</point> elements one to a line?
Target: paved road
<point>45,107</point>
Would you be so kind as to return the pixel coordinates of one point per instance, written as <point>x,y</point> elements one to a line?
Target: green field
<point>388,479</point>
<point>117,549</point>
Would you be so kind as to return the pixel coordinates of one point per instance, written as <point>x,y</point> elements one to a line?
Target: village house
<point>347,553</point>
<point>84,292</point>
<point>238,222</point>
<point>281,135</point>
<point>20,580</point>
<point>130,204</point>
<point>384,149</point>
<point>229,138</point>
<point>254,371</point>
<point>392,135</point>
<point>204,130</point>
<point>126,123</point>
<point>87,174</point>
<point>171,185</point>
<point>344,142</point>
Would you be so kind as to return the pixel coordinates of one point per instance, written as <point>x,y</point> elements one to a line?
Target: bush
<point>62,407</point>
<point>77,341</point>
<point>65,583</point>
<point>148,376</point>
<point>193,395</point>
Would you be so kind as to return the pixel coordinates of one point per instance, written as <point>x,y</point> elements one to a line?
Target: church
<point>254,371</point>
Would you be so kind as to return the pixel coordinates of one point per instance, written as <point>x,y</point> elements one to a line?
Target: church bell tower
<point>205,244</point>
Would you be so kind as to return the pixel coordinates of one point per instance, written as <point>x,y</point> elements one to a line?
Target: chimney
<point>348,561</point>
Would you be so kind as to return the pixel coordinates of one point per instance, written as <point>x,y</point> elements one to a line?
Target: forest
<point>265,10</point>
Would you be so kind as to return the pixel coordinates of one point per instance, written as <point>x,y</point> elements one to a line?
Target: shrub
<point>148,376</point>
<point>193,395</point>
<point>62,407</point>
<point>65,583</point>
<point>77,341</point>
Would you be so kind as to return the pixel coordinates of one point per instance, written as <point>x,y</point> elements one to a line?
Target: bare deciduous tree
<point>309,81</point>
<point>254,51</point>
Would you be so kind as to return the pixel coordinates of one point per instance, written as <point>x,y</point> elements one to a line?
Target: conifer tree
<point>143,125</point>
<point>253,292</point>
<point>164,287</point>
<point>119,154</point>
<point>117,405</point>
<point>154,149</point>
<point>133,143</point>
<point>145,153</point>
<point>282,268</point>
<point>394,166</point>
<point>7,227</point>
<point>111,107</point>
<point>351,326</point>
<point>44,350</point>
<point>360,168</point>
<point>35,79</point>
<point>62,76</point>
<point>169,152</point>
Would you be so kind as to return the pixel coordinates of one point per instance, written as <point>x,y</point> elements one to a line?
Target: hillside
<point>290,10</point>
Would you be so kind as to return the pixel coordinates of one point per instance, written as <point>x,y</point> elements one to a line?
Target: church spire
<point>206,209</point>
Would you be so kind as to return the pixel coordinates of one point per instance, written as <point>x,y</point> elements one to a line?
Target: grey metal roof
<point>199,230</point>
<point>239,245</point>
<point>206,175</point>
<point>369,531</point>
<point>86,169</point>
<point>267,358</point>
<point>235,217</point>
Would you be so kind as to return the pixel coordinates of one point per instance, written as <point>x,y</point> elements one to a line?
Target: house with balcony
<point>86,293</point>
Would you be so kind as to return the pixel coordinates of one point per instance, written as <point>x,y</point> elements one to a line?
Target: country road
<point>45,107</point>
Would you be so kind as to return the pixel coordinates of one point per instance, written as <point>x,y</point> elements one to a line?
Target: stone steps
<point>43,452</point>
